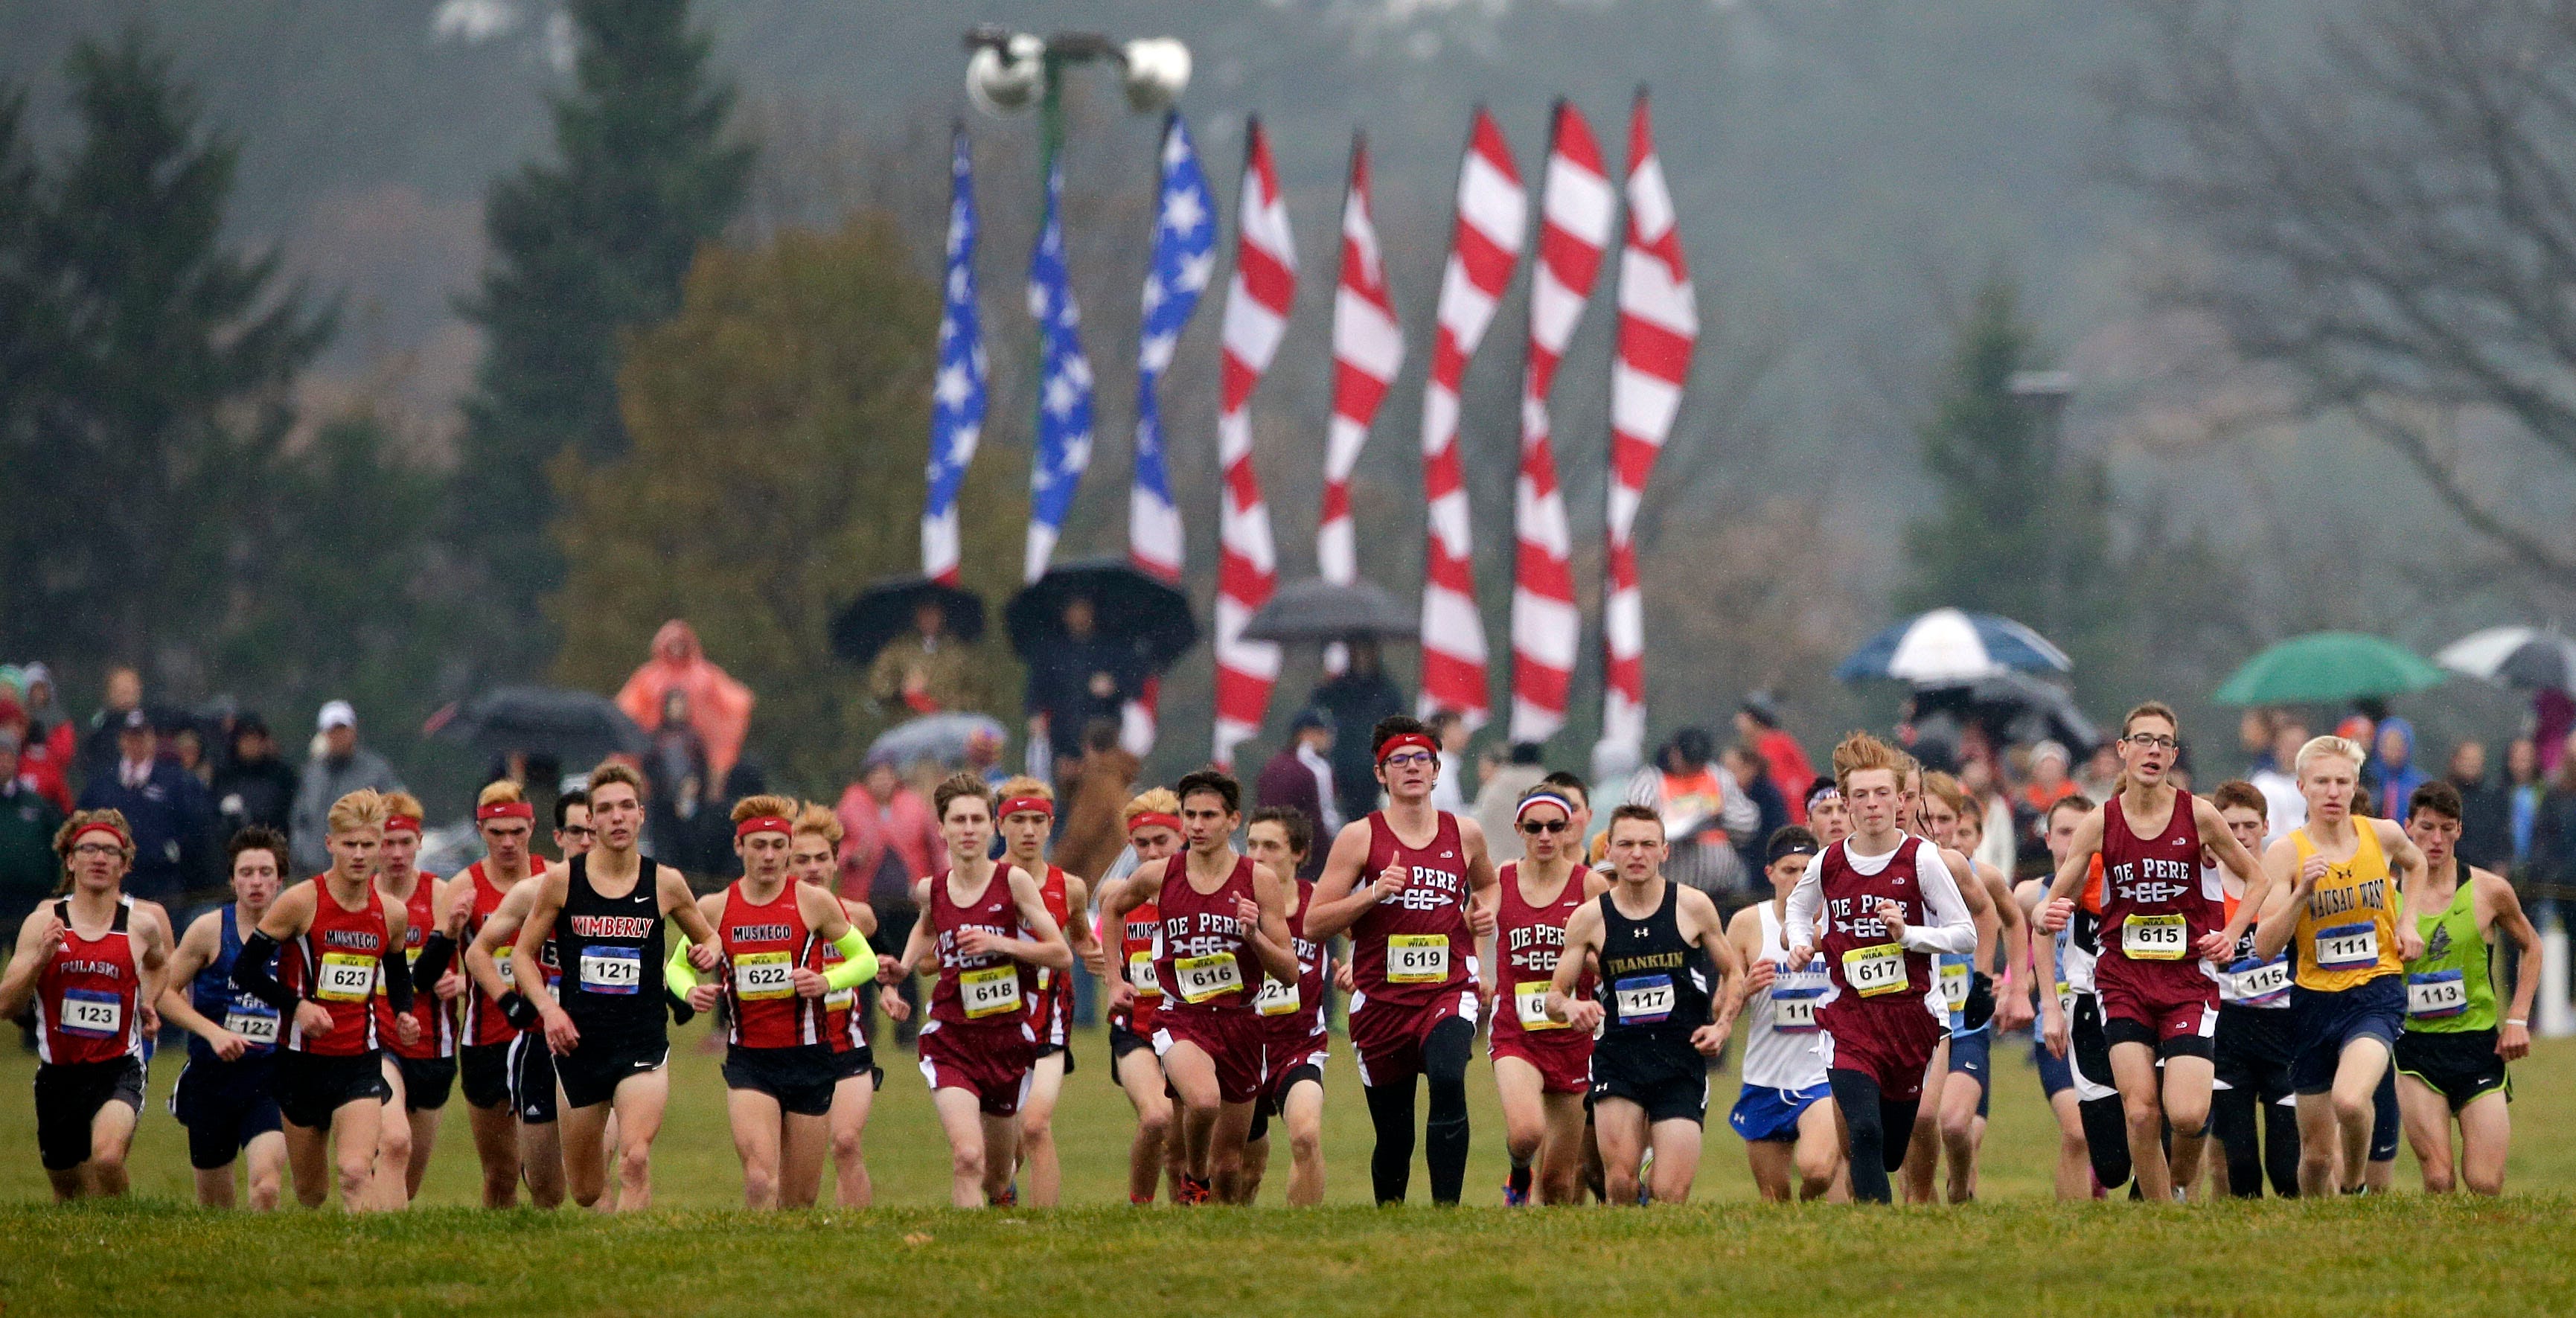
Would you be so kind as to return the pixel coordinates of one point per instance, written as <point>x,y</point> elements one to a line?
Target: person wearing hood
<point>255,787</point>
<point>718,706</point>
<point>342,767</point>
<point>2393,774</point>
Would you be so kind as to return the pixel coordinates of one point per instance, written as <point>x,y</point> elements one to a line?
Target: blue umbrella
<point>1948,646</point>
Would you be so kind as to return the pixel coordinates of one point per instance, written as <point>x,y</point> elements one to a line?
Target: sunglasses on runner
<point>1534,827</point>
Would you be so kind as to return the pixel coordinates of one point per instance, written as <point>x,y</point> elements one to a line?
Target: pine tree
<point>585,250</point>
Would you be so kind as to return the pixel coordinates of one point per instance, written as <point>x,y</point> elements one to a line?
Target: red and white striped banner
<point>1658,328</point>
<point>1493,216</point>
<point>1368,350</point>
<point>1257,299</point>
<point>1576,210</point>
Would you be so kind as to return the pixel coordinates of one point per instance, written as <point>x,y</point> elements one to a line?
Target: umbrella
<point>2015,707</point>
<point>2527,657</point>
<point>884,611</point>
<point>1318,610</point>
<point>2321,667</point>
<point>941,737</point>
<point>576,727</point>
<point>1126,605</point>
<point>1946,647</point>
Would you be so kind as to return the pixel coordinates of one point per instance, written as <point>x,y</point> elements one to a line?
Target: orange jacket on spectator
<point>719,707</point>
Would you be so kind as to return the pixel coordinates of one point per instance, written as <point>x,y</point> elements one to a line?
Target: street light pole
<point>2045,394</point>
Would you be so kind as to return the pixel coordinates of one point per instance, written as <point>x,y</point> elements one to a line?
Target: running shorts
<point>1387,1038</point>
<point>224,1106</point>
<point>2375,1009</point>
<point>1666,1077</point>
<point>1564,1062</point>
<point>1766,1115</point>
<point>1231,1039</point>
<point>800,1078</point>
<point>310,1087</point>
<point>426,1081</point>
<point>68,1097</point>
<point>990,1062</point>
<point>2461,1067</point>
<point>591,1072</point>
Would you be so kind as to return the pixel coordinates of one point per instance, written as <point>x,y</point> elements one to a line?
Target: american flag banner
<point>1184,260</point>
<point>1576,210</point>
<point>1064,386</point>
<point>1493,216</point>
<point>1368,350</point>
<point>1658,328</point>
<point>1257,300</point>
<point>957,393</point>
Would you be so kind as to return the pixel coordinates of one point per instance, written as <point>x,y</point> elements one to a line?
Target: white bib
<point>612,969</point>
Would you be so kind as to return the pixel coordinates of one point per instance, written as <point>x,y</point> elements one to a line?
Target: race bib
<point>1643,999</point>
<point>612,969</point>
<point>2252,983</point>
<point>2348,947</point>
<point>1278,997</point>
<point>2436,995</point>
<point>1140,972</point>
<point>1529,1004</point>
<point>509,972</point>
<point>1795,995</point>
<point>1876,970</point>
<point>764,976</point>
<point>91,1013</point>
<point>1955,982</point>
<point>838,999</point>
<point>1199,978</point>
<point>1417,958</point>
<point>2155,937</point>
<point>990,991</point>
<point>255,1024</point>
<point>345,977</point>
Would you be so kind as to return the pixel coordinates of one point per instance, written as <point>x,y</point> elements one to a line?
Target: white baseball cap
<point>338,714</point>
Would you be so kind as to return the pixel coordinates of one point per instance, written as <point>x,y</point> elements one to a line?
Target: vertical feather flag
<point>1184,259</point>
<point>1368,350</point>
<point>1257,300</point>
<point>1064,385</point>
<point>957,395</point>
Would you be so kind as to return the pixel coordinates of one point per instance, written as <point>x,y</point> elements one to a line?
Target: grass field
<point>2015,1252</point>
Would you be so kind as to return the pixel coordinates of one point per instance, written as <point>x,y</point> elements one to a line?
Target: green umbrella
<point>2329,666</point>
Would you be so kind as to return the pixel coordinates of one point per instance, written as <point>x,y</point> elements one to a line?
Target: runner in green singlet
<point>2451,1059</point>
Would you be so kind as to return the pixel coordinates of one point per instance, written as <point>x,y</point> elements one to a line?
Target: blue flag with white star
<point>1064,385</point>
<point>957,396</point>
<point>1184,260</point>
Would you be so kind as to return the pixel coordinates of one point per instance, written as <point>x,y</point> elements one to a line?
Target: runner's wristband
<point>252,976</point>
<point>858,964</point>
<point>516,1009</point>
<point>2513,1021</point>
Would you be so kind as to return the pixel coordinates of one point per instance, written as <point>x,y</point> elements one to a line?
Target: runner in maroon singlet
<point>2162,925</point>
<point>1153,823</point>
<point>1542,1067</point>
<point>90,962</point>
<point>985,930</point>
<point>1225,930</point>
<point>507,824</point>
<point>1295,1023</point>
<point>1886,903</point>
<point>815,859</point>
<point>1409,883</point>
<point>1027,815</point>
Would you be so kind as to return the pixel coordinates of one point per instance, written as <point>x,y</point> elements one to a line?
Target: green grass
<point>2015,1252</point>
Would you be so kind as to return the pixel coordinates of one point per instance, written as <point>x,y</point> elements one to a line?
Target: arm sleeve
<point>858,965</point>
<point>1798,925</point>
<point>398,980</point>
<point>678,975</point>
<point>435,955</point>
<point>1951,930</point>
<point>252,976</point>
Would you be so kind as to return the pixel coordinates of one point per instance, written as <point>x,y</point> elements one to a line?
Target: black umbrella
<point>1126,604</point>
<point>884,611</point>
<point>1318,610</point>
<point>2013,707</point>
<point>576,727</point>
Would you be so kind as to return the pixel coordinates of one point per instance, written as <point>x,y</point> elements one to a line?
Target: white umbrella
<point>2529,657</point>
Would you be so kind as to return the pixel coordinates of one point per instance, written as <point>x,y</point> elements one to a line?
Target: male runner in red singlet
<point>420,1073</point>
<point>1027,819</point>
<point>815,860</point>
<point>1542,1066</point>
<point>340,936</point>
<point>984,928</point>
<point>1153,823</point>
<point>1295,1026</point>
<point>507,824</point>
<point>2162,927</point>
<point>778,1069</point>
<point>1406,882</point>
<point>1225,929</point>
<point>90,961</point>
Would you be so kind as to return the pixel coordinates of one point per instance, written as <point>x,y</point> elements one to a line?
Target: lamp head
<point>1158,68</point>
<point>1002,75</point>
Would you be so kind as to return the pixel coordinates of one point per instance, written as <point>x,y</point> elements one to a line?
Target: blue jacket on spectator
<point>172,816</point>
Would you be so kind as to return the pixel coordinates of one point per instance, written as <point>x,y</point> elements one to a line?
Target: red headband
<point>98,826</point>
<point>393,822</point>
<point>1403,739</point>
<point>763,824</point>
<point>1153,819</point>
<point>1016,805</point>
<point>506,810</point>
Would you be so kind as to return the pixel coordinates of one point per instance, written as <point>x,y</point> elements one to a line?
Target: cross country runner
<point>341,936</point>
<point>604,1019</point>
<point>1153,823</point>
<point>815,860</point>
<point>2162,928</point>
<point>1888,904</point>
<point>1660,1020</point>
<point>502,1144</point>
<point>1542,1066</point>
<point>1956,981</point>
<point>1295,1027</point>
<point>226,1096</point>
<point>778,1069</point>
<point>1785,1111</point>
<point>2451,1059</point>
<point>420,1073</point>
<point>2252,1109</point>
<point>91,961</point>
<point>1225,929</point>
<point>1978,1003</point>
<point>985,930</point>
<point>1027,819</point>
<point>1409,884</point>
<point>2342,897</point>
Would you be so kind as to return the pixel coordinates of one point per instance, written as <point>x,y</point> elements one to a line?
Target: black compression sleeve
<point>434,957</point>
<point>398,981</point>
<point>252,976</point>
